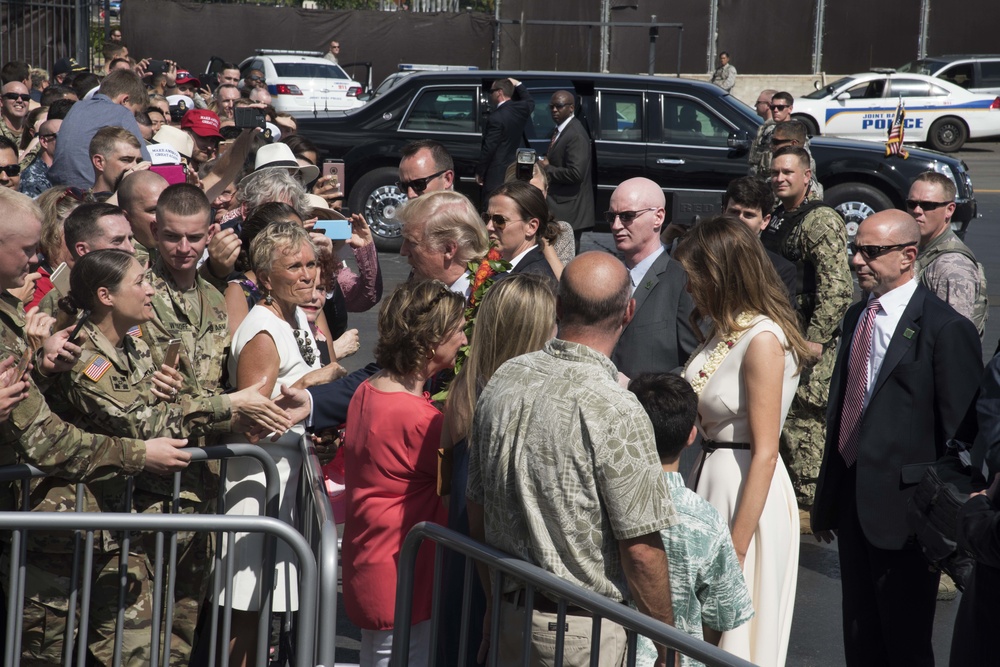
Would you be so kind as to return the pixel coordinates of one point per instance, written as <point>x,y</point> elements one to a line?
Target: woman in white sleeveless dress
<point>745,374</point>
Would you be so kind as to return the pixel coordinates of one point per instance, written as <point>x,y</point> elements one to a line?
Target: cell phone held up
<point>173,352</point>
<point>249,117</point>
<point>74,336</point>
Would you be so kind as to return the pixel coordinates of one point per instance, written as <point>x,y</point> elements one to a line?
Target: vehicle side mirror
<point>740,141</point>
<point>843,96</point>
<point>816,85</point>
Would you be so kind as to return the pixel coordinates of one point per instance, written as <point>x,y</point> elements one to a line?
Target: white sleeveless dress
<point>771,565</point>
<point>244,481</point>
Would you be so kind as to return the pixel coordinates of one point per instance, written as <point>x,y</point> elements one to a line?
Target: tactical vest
<point>946,243</point>
<point>776,238</point>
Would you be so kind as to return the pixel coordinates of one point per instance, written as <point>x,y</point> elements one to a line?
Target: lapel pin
<point>908,334</point>
<point>648,285</point>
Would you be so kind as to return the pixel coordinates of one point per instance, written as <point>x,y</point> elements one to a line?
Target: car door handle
<point>665,160</point>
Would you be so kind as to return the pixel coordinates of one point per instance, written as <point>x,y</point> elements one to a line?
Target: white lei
<point>719,354</point>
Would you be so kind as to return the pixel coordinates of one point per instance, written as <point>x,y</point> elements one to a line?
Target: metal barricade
<point>320,531</point>
<point>20,523</point>
<point>535,579</point>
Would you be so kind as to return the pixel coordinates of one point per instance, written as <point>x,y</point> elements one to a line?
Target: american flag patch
<point>97,368</point>
<point>135,332</point>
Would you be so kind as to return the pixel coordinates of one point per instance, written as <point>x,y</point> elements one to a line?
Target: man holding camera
<point>568,167</point>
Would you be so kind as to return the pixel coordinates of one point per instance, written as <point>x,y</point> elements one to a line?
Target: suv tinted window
<point>621,117</point>
<point>960,75</point>
<point>990,69</point>
<point>309,71</point>
<point>685,121</point>
<point>443,110</point>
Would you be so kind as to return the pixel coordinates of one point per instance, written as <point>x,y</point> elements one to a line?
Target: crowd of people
<point>162,276</point>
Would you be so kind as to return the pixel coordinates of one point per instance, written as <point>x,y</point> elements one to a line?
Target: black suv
<point>690,137</point>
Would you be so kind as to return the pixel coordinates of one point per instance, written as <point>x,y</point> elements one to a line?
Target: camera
<point>526,159</point>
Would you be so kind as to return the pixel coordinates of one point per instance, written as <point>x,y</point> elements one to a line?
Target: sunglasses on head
<point>418,185</point>
<point>779,107</point>
<point>626,216</point>
<point>872,251</point>
<point>912,204</point>
<point>11,170</point>
<point>24,97</point>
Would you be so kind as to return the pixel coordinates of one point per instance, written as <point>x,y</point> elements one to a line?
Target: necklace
<point>719,354</point>
<point>306,348</point>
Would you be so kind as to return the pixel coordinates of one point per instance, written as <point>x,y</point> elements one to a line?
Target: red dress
<point>390,471</point>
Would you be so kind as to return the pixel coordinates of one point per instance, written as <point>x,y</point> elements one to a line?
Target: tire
<point>855,202</point>
<point>376,197</point>
<point>811,128</point>
<point>947,134</point>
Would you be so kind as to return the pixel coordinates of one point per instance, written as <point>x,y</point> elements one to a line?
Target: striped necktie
<point>857,385</point>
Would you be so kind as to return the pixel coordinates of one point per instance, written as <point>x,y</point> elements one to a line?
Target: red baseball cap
<point>183,76</point>
<point>202,122</point>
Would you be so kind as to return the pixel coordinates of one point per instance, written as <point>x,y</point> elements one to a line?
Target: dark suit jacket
<point>534,262</point>
<point>331,400</point>
<point>571,188</point>
<point>659,338</point>
<point>502,137</point>
<point>926,383</point>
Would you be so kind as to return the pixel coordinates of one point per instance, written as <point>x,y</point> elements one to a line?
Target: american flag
<point>894,146</point>
<point>135,332</point>
<point>97,368</point>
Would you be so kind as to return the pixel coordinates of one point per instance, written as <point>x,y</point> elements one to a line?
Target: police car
<point>862,106</point>
<point>304,81</point>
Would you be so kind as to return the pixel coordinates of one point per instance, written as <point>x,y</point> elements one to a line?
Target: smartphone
<point>337,230</point>
<point>173,352</point>
<point>174,173</point>
<point>249,117</point>
<point>224,146</point>
<point>60,278</point>
<point>334,167</point>
<point>80,321</point>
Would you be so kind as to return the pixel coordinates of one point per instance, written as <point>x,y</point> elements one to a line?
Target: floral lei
<point>718,355</point>
<point>483,273</point>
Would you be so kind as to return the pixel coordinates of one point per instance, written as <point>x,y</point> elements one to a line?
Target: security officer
<point>813,237</point>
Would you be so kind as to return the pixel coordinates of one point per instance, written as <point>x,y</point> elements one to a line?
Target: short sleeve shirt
<point>563,461</point>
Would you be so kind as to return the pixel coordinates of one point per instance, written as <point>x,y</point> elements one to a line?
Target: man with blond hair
<point>113,151</point>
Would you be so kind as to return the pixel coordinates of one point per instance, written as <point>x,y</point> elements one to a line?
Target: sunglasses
<point>495,90</point>
<point>626,216</point>
<point>11,170</point>
<point>870,252</point>
<point>256,78</point>
<point>912,204</point>
<point>779,107</point>
<point>559,106</point>
<point>24,97</point>
<point>775,141</point>
<point>418,185</point>
<point>499,222</point>
<point>51,136</point>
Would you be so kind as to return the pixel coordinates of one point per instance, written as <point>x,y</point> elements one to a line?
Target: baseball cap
<point>202,122</point>
<point>66,66</point>
<point>183,77</point>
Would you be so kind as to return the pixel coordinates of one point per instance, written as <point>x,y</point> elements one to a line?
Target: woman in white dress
<point>745,374</point>
<point>274,342</point>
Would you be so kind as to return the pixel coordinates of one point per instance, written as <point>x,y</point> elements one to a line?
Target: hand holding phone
<point>173,353</point>
<point>80,321</point>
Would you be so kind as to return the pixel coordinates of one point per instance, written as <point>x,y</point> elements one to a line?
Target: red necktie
<point>555,135</point>
<point>857,385</point>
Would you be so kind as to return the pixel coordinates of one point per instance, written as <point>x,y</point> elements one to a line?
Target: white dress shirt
<point>520,256</point>
<point>638,272</point>
<point>463,285</point>
<point>892,303</point>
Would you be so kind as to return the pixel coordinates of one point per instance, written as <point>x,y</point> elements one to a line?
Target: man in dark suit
<point>751,200</point>
<point>504,132</point>
<point>900,388</point>
<point>568,167</point>
<point>659,338</point>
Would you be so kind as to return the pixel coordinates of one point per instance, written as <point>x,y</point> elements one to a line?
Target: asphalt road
<point>816,639</point>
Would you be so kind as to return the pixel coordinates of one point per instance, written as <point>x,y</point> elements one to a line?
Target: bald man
<point>563,403</point>
<point>906,373</point>
<point>659,338</point>
<point>137,196</point>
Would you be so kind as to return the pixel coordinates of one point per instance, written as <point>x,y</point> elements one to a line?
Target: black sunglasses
<point>779,107</point>
<point>418,185</point>
<point>499,222</point>
<point>49,136</point>
<point>24,97</point>
<point>626,216</point>
<point>495,90</point>
<point>11,170</point>
<point>256,78</point>
<point>872,251</point>
<point>559,106</point>
<point>925,205</point>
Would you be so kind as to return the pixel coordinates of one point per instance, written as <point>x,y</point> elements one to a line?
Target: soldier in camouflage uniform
<point>137,195</point>
<point>33,434</point>
<point>945,265</point>
<point>759,158</point>
<point>812,236</point>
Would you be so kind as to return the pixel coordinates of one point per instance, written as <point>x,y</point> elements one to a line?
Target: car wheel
<point>811,129</point>
<point>947,135</point>
<point>855,202</point>
<point>376,197</point>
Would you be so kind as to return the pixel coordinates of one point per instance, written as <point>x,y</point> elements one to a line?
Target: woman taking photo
<point>273,346</point>
<point>745,374</point>
<point>390,459</point>
<point>517,217</point>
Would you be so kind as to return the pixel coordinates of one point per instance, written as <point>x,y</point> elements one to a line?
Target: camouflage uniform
<point>145,255</point>
<point>817,245</point>
<point>947,267</point>
<point>760,151</point>
<point>205,339</point>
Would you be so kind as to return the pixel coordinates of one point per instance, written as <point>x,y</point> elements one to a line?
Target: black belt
<point>711,445</point>
<point>543,604</point>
